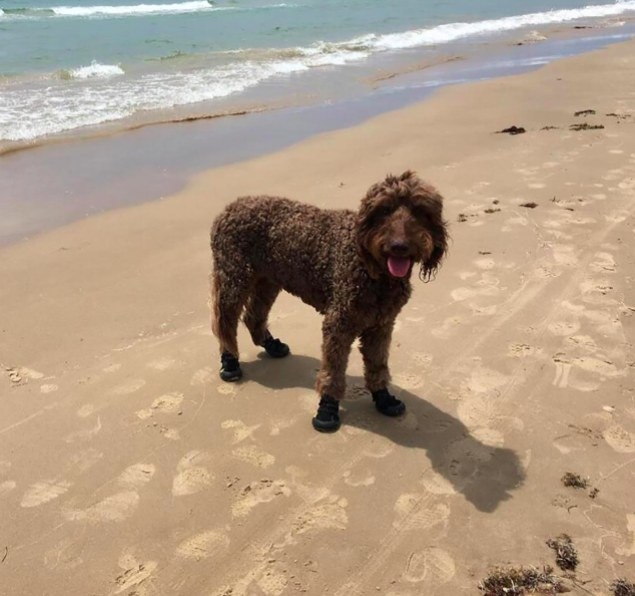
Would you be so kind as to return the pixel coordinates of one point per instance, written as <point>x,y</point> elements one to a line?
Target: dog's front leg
<point>337,339</point>
<point>375,347</point>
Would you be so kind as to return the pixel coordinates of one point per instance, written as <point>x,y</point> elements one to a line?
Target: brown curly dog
<point>354,268</point>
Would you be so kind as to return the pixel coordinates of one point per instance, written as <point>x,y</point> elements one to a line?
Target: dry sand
<point>128,467</point>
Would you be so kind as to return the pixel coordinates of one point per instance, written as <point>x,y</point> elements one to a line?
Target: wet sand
<point>128,467</point>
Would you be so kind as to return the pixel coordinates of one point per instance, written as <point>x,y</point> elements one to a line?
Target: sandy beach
<point>128,467</point>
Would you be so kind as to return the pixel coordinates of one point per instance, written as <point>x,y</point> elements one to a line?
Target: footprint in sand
<point>192,477</point>
<point>379,447</point>
<point>420,512</point>
<point>239,429</point>
<point>408,380</point>
<point>620,439</point>
<point>162,364</point>
<point>256,493</point>
<point>129,387</point>
<point>521,350</point>
<point>136,475</point>
<point>359,478</point>
<point>48,388</point>
<point>7,486</point>
<point>166,404</point>
<point>44,491</point>
<point>85,434</point>
<point>227,389</point>
<point>254,455</point>
<point>134,575</point>
<point>203,546</point>
<point>485,264</point>
<point>115,508</point>
<point>432,565</point>
<point>629,549</point>
<point>328,513</point>
<point>121,505</point>
<point>204,376</point>
<point>565,255</point>
<point>421,358</point>
<point>273,582</point>
<point>437,484</point>
<point>86,410</point>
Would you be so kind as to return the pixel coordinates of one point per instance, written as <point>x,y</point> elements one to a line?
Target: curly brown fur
<point>354,268</point>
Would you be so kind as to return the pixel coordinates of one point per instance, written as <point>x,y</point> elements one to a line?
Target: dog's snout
<point>399,248</point>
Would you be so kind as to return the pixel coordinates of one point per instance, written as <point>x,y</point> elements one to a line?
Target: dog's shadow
<point>484,474</point>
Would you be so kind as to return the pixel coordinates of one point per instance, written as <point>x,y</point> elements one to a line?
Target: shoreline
<point>170,153</point>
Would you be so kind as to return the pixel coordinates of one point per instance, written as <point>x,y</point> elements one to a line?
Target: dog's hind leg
<point>228,300</point>
<point>375,346</point>
<point>263,294</point>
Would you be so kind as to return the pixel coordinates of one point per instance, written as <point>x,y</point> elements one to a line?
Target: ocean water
<point>69,66</point>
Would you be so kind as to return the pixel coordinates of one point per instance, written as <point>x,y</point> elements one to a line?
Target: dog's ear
<point>432,202</point>
<point>364,232</point>
<point>364,239</point>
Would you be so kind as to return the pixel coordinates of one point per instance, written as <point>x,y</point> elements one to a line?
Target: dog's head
<point>400,223</point>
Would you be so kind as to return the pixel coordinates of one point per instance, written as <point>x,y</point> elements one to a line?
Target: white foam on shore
<point>123,11</point>
<point>454,31</point>
<point>96,71</point>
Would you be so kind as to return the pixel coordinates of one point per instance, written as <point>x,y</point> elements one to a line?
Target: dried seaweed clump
<point>621,587</point>
<point>566,555</point>
<point>574,480</point>
<point>586,126</point>
<point>514,582</point>
<point>513,130</point>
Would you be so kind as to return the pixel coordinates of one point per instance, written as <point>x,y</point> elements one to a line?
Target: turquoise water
<point>79,65</point>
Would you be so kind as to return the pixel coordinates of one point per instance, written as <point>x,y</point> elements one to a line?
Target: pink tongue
<point>398,266</point>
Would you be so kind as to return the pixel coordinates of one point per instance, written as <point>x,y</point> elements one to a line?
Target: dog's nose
<point>399,248</point>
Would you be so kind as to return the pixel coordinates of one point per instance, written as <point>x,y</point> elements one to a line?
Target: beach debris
<point>618,116</point>
<point>492,210</point>
<point>548,127</point>
<point>566,554</point>
<point>584,113</point>
<point>586,126</point>
<point>529,205</point>
<point>514,582</point>
<point>512,130</point>
<point>464,217</point>
<point>622,587</point>
<point>574,480</point>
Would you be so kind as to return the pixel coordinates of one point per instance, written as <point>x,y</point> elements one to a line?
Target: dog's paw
<point>388,404</point>
<point>327,418</point>
<point>275,348</point>
<point>230,370</point>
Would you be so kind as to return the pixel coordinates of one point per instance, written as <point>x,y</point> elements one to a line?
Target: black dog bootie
<point>275,348</point>
<point>327,418</point>
<point>388,404</point>
<point>230,368</point>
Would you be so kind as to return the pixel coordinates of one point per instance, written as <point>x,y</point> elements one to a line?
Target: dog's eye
<point>420,213</point>
<point>382,211</point>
